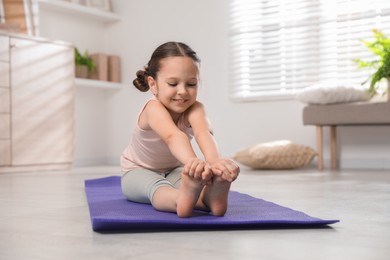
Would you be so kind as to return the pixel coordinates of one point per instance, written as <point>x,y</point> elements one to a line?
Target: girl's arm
<point>226,168</point>
<point>203,133</point>
<point>157,117</point>
<point>159,120</point>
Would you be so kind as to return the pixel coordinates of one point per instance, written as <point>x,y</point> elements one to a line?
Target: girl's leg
<point>139,185</point>
<point>215,196</point>
<point>146,186</point>
<point>181,201</point>
<point>175,178</point>
<point>188,198</point>
<point>165,199</point>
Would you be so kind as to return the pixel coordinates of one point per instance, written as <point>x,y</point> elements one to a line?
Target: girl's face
<point>176,86</point>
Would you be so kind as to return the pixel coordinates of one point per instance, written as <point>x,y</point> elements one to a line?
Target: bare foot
<point>215,196</point>
<point>189,193</point>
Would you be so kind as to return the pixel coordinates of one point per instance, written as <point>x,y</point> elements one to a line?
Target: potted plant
<point>381,48</point>
<point>84,64</point>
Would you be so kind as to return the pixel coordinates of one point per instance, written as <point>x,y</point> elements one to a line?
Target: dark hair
<point>168,49</point>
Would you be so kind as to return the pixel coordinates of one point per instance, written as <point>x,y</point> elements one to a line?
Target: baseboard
<point>347,163</point>
<point>82,162</point>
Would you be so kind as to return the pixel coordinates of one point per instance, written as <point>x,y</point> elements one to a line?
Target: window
<point>278,47</point>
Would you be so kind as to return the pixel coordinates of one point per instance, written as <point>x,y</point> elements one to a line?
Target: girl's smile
<point>180,100</point>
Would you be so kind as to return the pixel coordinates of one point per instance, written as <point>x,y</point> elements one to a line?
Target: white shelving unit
<point>89,13</point>
<point>99,84</point>
<point>85,11</point>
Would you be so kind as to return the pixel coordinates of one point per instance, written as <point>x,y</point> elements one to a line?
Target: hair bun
<point>140,82</point>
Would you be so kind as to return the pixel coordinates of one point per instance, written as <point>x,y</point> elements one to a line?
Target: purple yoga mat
<point>111,211</point>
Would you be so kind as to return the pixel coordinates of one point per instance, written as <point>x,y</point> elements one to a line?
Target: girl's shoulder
<point>195,114</point>
<point>152,106</point>
<point>196,108</point>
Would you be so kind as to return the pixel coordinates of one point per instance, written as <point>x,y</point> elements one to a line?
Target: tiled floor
<point>44,215</point>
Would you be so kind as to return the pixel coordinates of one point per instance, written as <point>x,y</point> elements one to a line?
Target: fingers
<point>198,170</point>
<point>190,168</point>
<point>201,171</point>
<point>232,167</point>
<point>227,169</point>
<point>207,175</point>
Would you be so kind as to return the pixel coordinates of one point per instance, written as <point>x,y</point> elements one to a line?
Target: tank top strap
<point>143,108</point>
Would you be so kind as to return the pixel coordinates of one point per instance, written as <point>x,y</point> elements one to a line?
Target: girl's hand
<point>198,170</point>
<point>227,169</point>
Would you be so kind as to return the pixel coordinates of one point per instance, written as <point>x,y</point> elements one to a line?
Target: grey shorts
<point>139,185</point>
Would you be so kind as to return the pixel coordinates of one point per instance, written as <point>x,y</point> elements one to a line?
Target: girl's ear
<point>153,85</point>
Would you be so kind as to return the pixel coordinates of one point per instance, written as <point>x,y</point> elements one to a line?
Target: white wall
<point>91,106</point>
<point>104,119</point>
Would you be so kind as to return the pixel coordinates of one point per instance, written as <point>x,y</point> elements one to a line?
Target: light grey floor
<point>44,215</point>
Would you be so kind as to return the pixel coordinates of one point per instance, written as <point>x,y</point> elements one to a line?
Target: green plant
<point>84,59</point>
<point>381,48</point>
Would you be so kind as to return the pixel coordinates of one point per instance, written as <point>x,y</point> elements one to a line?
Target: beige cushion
<point>275,155</point>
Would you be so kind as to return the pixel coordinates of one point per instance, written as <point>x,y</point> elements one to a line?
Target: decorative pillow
<point>281,154</point>
<point>326,93</point>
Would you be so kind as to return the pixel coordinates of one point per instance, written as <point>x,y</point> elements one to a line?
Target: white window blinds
<point>280,46</point>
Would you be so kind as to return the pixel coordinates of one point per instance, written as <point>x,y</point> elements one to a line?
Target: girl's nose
<point>181,89</point>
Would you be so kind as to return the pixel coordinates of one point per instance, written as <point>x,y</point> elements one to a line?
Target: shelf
<point>85,11</point>
<point>98,84</point>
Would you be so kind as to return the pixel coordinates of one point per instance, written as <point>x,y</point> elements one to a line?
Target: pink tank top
<point>148,150</point>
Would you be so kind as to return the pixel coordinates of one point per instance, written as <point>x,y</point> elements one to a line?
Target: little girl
<point>160,166</point>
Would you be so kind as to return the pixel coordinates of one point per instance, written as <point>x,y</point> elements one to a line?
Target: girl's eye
<point>188,84</point>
